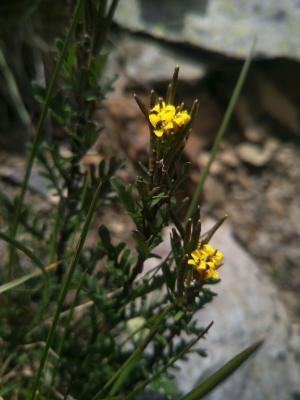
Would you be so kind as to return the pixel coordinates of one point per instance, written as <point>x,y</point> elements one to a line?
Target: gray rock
<point>217,25</point>
<point>150,62</point>
<point>254,154</point>
<point>246,309</point>
<point>15,176</point>
<point>146,62</point>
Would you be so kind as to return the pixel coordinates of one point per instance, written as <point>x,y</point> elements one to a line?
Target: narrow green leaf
<point>20,246</point>
<point>117,380</point>
<point>219,376</point>
<point>126,371</point>
<point>134,358</point>
<point>9,387</point>
<point>64,290</point>
<point>40,129</point>
<point>156,199</point>
<point>171,362</point>
<point>13,91</point>
<point>124,193</point>
<point>143,167</point>
<point>170,276</point>
<point>221,132</point>
<point>105,237</point>
<point>19,281</point>
<point>208,235</point>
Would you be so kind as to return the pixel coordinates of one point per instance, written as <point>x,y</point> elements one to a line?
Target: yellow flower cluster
<point>167,119</point>
<point>206,260</point>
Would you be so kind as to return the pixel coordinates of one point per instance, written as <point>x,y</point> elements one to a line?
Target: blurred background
<point>256,176</point>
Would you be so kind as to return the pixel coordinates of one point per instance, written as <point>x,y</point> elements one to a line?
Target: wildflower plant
<point>97,325</point>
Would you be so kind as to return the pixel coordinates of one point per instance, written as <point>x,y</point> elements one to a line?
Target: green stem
<point>20,246</point>
<point>120,375</point>
<point>39,131</point>
<point>221,132</point>
<point>222,373</point>
<point>67,327</point>
<point>54,233</point>
<point>19,281</point>
<point>64,290</point>
<point>163,369</point>
<point>14,91</point>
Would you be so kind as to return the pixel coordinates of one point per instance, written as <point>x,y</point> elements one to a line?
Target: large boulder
<point>226,27</point>
<point>247,308</point>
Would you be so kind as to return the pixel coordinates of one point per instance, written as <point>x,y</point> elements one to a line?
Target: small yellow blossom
<point>206,261</point>
<point>167,119</point>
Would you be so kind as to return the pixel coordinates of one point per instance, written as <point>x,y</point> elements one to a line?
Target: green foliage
<point>215,379</point>
<point>102,326</point>
<point>125,195</point>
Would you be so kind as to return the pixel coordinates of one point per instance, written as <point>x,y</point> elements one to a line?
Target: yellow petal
<point>168,126</point>
<point>168,112</point>
<point>211,264</point>
<point>154,118</point>
<point>196,254</point>
<point>208,249</point>
<point>182,118</point>
<point>218,256</point>
<point>156,108</point>
<point>170,107</point>
<point>201,266</point>
<point>213,274</point>
<point>158,132</point>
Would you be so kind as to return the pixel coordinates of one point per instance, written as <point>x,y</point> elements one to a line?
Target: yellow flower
<point>206,261</point>
<point>167,119</point>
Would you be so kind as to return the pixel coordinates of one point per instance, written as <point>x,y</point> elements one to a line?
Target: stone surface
<point>246,309</point>
<point>148,62</point>
<point>254,154</point>
<point>217,25</point>
<point>37,183</point>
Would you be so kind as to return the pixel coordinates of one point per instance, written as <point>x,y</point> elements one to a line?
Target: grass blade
<point>13,91</point>
<point>64,290</point>
<point>219,376</point>
<point>221,132</point>
<point>19,281</point>
<point>39,130</point>
<point>172,361</point>
<point>20,246</point>
<point>119,377</point>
